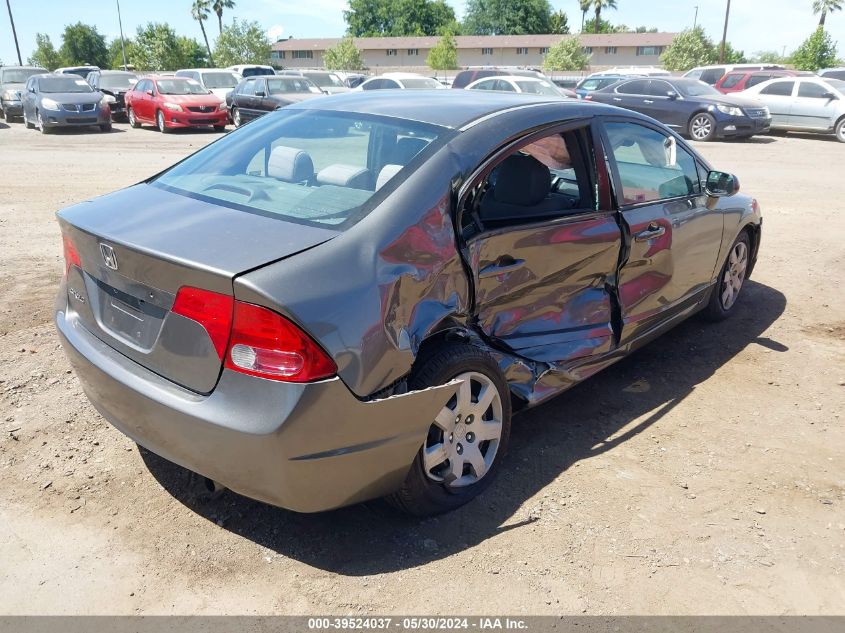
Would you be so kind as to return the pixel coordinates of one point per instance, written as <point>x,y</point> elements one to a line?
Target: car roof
<point>446,108</point>
<point>118,72</point>
<point>42,68</point>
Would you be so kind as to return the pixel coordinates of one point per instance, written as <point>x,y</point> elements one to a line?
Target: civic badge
<point>108,256</point>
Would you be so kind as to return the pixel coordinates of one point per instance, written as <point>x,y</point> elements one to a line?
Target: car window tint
<point>389,84</point>
<point>590,84</point>
<point>504,86</point>
<point>635,87</point>
<point>651,165</point>
<point>757,78</point>
<point>487,84</point>
<point>812,90</point>
<point>248,88</point>
<point>834,74</point>
<point>712,75</point>
<point>375,84</point>
<point>658,88</point>
<point>781,88</point>
<point>732,79</point>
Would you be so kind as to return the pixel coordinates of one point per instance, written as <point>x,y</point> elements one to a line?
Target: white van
<point>712,74</point>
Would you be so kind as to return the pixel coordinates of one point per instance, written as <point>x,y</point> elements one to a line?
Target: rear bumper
<point>742,126</point>
<point>306,447</point>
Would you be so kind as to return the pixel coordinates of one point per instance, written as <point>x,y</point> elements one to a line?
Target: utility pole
<point>122,43</point>
<point>15,33</point>
<point>695,21</point>
<point>724,34</point>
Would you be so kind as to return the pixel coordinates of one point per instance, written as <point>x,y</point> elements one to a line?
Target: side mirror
<point>260,93</point>
<point>672,95</point>
<point>829,95</point>
<point>150,92</point>
<point>720,183</point>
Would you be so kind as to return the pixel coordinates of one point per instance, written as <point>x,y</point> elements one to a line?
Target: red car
<point>174,102</point>
<point>739,80</point>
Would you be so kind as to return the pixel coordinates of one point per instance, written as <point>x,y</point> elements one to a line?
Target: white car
<point>803,104</point>
<point>401,81</point>
<point>220,81</point>
<point>639,71</point>
<point>528,85</point>
<point>251,70</point>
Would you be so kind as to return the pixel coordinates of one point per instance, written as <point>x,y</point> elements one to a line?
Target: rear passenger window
<point>814,91</point>
<point>756,78</point>
<point>712,75</point>
<point>651,165</point>
<point>636,87</point>
<point>779,88</point>
<point>732,80</point>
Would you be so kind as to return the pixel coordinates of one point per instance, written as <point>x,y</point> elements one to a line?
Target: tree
<point>689,49</point>
<point>559,23</point>
<point>199,11</point>
<point>191,53</point>
<point>343,56</point>
<point>83,44</point>
<point>116,52</point>
<point>218,6</point>
<point>397,18</point>
<point>733,56</point>
<point>768,57</point>
<point>823,7</point>
<point>603,27</point>
<point>507,17</point>
<point>598,5</point>
<point>157,47</point>
<point>444,54</point>
<point>568,54</point>
<point>817,51</point>
<point>242,42</point>
<point>584,5</point>
<point>44,54</point>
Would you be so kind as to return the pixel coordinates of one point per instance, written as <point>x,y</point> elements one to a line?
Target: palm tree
<point>598,5</point>
<point>585,6</point>
<point>218,7</point>
<point>199,11</point>
<point>824,7</point>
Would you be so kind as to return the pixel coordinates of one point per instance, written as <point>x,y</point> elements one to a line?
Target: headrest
<point>522,180</point>
<point>290,164</point>
<point>406,148</point>
<point>344,176</point>
<point>387,172</point>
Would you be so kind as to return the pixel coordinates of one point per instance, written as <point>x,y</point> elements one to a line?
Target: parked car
<point>712,74</point>
<point>401,81</point>
<point>596,82</point>
<point>351,80</point>
<point>251,70</point>
<point>82,71</point>
<point>219,81</point>
<point>114,84</point>
<point>12,80</point>
<point>804,104</point>
<point>51,101</point>
<point>832,73</point>
<point>174,102</point>
<point>316,320</point>
<point>635,71</point>
<point>259,95</point>
<point>530,85</point>
<point>566,81</point>
<point>688,106</point>
<point>739,80</point>
<point>325,80</point>
<point>466,77</point>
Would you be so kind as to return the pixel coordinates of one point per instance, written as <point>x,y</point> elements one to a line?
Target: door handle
<point>647,101</point>
<point>617,99</point>
<point>652,231</point>
<point>501,266</point>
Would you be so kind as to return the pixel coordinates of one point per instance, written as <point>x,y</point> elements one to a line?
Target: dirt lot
<point>702,475</point>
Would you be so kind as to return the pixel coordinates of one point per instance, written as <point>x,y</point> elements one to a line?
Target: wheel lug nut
<point>459,449</point>
<point>458,419</point>
<point>451,437</point>
<point>469,419</point>
<point>470,437</point>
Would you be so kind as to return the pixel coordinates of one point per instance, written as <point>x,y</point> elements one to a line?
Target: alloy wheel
<point>236,117</point>
<point>160,121</point>
<point>131,115</point>
<point>734,274</point>
<point>701,127</point>
<point>463,441</point>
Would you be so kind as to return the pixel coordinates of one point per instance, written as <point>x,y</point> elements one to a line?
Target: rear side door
<point>673,238</point>
<point>658,105</point>
<point>631,94</point>
<point>778,97</point>
<point>542,250</point>
<point>246,100</point>
<point>814,107</point>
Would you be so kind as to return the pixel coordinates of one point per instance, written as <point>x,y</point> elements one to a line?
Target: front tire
<point>41,127</point>
<point>466,441</point>
<point>105,127</point>
<point>160,122</point>
<point>26,123</point>
<point>702,127</point>
<point>133,120</point>
<point>725,293</point>
<point>219,128</point>
<point>840,130</point>
<point>236,117</point>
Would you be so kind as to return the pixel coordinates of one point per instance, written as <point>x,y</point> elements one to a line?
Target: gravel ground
<point>704,474</point>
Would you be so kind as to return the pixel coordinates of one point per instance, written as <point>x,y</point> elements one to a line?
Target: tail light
<point>266,344</point>
<point>254,340</point>
<point>71,254</point>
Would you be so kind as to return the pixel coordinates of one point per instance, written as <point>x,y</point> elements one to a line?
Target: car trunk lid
<point>137,247</point>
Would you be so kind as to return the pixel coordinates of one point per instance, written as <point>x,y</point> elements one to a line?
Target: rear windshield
<point>117,82</point>
<point>839,84</point>
<point>252,71</point>
<point>180,87</point>
<point>283,85</point>
<point>423,83</point>
<point>67,83</point>
<point>305,166</point>
<point>538,88</point>
<point>325,80</point>
<point>219,80</point>
<point>18,75</point>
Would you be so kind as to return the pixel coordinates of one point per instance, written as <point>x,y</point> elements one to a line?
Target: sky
<point>755,25</point>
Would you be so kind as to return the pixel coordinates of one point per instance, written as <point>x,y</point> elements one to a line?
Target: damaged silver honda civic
<point>348,298</point>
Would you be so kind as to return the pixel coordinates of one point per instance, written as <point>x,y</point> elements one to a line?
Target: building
<point>382,54</point>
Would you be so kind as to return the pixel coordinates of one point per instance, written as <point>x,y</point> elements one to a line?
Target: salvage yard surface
<point>702,475</point>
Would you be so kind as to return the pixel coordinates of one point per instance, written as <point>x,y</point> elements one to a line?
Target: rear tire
<point>726,291</point>
<point>840,130</point>
<point>133,120</point>
<point>702,127</point>
<point>462,431</point>
<point>236,117</point>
